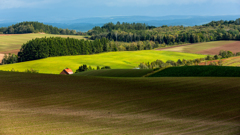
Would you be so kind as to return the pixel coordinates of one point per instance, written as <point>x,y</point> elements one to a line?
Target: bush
<point>31,71</point>
<point>82,68</point>
<point>238,54</point>
<point>216,57</point>
<point>106,67</point>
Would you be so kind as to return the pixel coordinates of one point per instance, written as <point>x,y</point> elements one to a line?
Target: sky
<point>58,10</point>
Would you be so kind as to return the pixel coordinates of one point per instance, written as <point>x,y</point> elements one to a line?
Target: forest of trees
<point>56,46</point>
<point>35,27</point>
<point>106,39</point>
<point>125,32</point>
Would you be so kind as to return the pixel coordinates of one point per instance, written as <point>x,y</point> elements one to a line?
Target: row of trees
<point>87,68</point>
<point>219,30</point>
<point>227,54</point>
<point>111,27</point>
<point>35,27</point>
<point>158,64</point>
<point>56,46</point>
<point>9,59</point>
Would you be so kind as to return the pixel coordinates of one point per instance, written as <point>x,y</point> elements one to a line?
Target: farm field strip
<point>116,60</point>
<point>231,46</point>
<point>55,104</point>
<point>14,42</point>
<point>234,61</point>
<point>201,47</point>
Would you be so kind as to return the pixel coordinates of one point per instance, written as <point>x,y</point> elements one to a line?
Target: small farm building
<point>67,71</point>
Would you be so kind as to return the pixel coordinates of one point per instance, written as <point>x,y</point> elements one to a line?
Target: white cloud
<point>6,4</point>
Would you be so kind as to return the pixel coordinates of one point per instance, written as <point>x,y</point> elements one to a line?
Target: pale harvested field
<point>10,42</point>
<point>211,48</point>
<point>56,104</point>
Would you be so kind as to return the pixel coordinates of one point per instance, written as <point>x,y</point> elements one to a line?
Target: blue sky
<point>40,10</point>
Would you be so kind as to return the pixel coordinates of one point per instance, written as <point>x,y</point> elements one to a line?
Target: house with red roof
<point>67,71</point>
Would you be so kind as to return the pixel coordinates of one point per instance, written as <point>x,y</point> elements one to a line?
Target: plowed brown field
<point>211,48</point>
<point>1,57</point>
<point>234,47</point>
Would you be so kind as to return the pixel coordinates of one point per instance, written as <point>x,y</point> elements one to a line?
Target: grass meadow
<point>116,60</point>
<point>14,42</point>
<point>56,104</point>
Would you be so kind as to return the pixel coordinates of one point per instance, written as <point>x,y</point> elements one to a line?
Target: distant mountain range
<point>85,24</point>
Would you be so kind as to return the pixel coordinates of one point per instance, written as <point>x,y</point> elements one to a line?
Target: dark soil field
<point>55,104</point>
<point>233,47</point>
<point>199,71</point>
<point>116,72</point>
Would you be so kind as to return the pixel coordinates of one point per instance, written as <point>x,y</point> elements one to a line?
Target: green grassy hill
<point>55,104</point>
<point>116,60</point>
<point>15,41</point>
<point>198,71</point>
<point>116,72</point>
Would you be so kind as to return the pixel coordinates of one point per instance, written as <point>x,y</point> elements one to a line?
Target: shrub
<point>106,67</point>
<point>238,54</point>
<point>31,71</point>
<point>82,68</point>
<point>216,57</point>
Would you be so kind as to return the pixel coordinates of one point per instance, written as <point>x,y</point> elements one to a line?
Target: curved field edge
<point>116,72</point>
<point>199,71</point>
<point>116,60</point>
<point>55,104</point>
<point>15,41</point>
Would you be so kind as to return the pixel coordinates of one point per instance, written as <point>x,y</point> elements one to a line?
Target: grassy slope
<point>55,104</point>
<point>197,71</point>
<point>13,42</point>
<point>116,60</point>
<point>198,47</point>
<point>116,72</point>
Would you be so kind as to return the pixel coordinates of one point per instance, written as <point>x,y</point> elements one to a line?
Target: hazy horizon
<point>59,10</point>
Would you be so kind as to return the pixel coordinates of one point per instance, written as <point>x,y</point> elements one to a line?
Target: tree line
<point>35,27</point>
<point>9,59</point>
<point>84,67</point>
<point>159,64</point>
<point>215,30</point>
<point>56,46</point>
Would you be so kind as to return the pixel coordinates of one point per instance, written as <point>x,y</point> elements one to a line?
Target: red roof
<point>68,70</point>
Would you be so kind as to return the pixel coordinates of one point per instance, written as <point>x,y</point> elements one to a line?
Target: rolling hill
<point>199,71</point>
<point>13,42</point>
<point>55,104</point>
<point>211,48</point>
<point>116,60</point>
<point>116,72</point>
